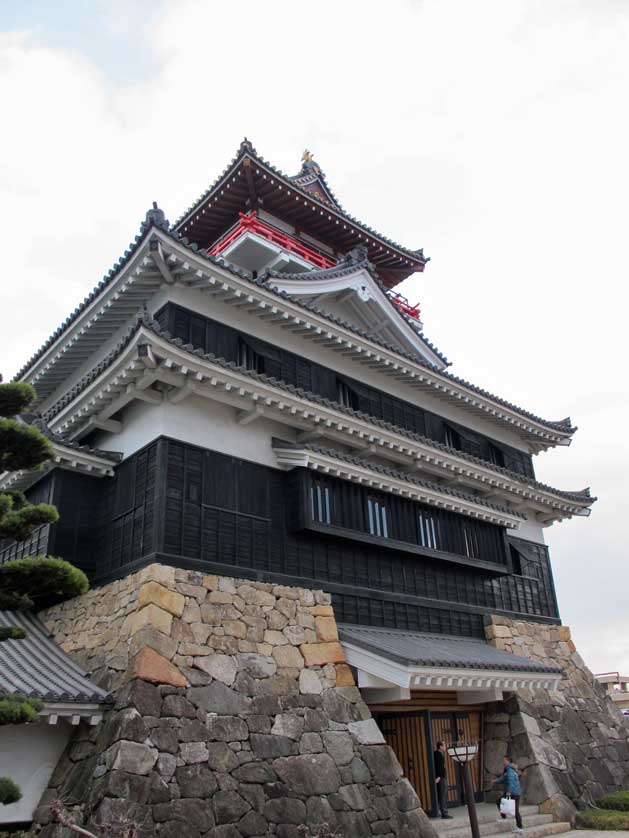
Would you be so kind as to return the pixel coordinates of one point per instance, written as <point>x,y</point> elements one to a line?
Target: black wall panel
<point>223,341</point>
<point>203,509</point>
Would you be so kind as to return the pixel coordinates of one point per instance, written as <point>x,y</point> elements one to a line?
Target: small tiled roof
<point>37,668</point>
<point>394,473</point>
<point>155,328</point>
<point>355,260</point>
<point>412,648</point>
<point>38,421</point>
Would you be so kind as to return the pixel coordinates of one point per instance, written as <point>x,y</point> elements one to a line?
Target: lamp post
<point>464,753</point>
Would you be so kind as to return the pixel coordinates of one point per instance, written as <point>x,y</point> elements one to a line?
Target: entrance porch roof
<point>412,660</point>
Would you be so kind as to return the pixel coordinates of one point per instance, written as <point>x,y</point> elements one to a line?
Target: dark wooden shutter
<point>253,490</point>
<point>219,481</point>
<point>197,332</point>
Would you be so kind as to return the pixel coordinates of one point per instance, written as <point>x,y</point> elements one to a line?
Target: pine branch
<point>15,398</point>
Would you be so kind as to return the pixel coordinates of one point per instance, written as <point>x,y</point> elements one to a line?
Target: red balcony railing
<point>249,222</point>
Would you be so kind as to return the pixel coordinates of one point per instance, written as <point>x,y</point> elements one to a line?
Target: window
<point>496,455</point>
<point>427,530</point>
<point>470,539</point>
<point>377,515</point>
<point>451,437</point>
<point>320,502</point>
<point>516,561</point>
<point>345,395</point>
<point>248,358</point>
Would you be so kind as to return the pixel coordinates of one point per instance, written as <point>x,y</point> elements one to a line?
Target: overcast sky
<point>495,135</point>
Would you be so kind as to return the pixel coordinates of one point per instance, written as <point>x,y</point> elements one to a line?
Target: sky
<point>493,134</point>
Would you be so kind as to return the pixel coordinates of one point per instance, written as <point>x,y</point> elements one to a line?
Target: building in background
<point>245,394</point>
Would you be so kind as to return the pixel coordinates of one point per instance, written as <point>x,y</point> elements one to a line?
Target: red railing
<point>403,304</point>
<point>249,222</point>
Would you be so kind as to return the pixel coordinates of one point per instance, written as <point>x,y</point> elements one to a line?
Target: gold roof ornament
<point>308,163</point>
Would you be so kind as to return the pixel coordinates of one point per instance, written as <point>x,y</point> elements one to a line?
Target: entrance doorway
<point>413,736</point>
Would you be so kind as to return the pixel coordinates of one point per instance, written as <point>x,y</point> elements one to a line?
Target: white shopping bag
<point>507,807</point>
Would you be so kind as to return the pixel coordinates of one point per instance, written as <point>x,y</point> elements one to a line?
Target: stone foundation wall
<point>572,745</point>
<point>234,715</point>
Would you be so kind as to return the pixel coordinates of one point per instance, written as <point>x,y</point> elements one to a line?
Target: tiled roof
<point>563,426</point>
<point>415,649</point>
<point>153,326</point>
<point>246,149</point>
<point>37,668</point>
<point>391,472</point>
<point>38,421</point>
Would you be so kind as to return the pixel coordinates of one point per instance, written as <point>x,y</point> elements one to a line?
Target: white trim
<point>75,712</point>
<point>366,291</point>
<point>439,678</point>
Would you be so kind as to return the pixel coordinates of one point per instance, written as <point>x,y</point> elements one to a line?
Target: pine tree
<point>21,447</point>
<point>39,580</point>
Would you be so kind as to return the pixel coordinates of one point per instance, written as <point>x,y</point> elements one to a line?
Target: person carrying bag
<point>509,801</point>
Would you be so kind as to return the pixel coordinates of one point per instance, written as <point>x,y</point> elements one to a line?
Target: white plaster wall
<point>29,754</point>
<point>198,421</point>
<point>530,529</point>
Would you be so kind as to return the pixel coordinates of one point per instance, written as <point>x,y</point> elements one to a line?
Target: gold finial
<point>307,156</point>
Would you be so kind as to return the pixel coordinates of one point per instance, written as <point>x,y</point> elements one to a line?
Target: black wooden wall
<point>225,342</point>
<point>204,510</point>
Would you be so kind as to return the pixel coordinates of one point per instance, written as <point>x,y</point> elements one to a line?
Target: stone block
<point>227,728</point>
<point>288,725</point>
<point>150,666</point>
<point>221,667</point>
<point>151,616</point>
<point>494,631</point>
<point>307,775</point>
<point>326,629</point>
<point>339,746</point>
<point>344,676</point>
<point>288,656</point>
<point>310,683</point>
<point>132,757</point>
<point>156,594</point>
<point>161,573</point>
<point>318,654</point>
<point>219,698</point>
<point>366,732</point>
<point>258,666</point>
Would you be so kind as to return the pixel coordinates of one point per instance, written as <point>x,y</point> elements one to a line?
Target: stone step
<point>487,814</point>
<point>533,831</point>
<point>493,827</point>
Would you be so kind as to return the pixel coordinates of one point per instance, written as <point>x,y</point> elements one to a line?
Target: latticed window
<point>249,358</point>
<point>321,502</point>
<point>427,530</point>
<point>345,395</point>
<point>470,539</point>
<point>377,517</point>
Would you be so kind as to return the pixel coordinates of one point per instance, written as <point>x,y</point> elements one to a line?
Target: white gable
<point>355,297</point>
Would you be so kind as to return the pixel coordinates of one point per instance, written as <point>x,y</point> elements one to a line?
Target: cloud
<point>493,135</point>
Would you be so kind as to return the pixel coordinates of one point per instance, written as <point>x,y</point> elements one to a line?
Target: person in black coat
<point>441,779</point>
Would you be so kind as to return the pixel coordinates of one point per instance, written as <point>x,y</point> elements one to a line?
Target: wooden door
<point>407,734</point>
<point>460,727</point>
<point>471,730</point>
<point>444,730</point>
